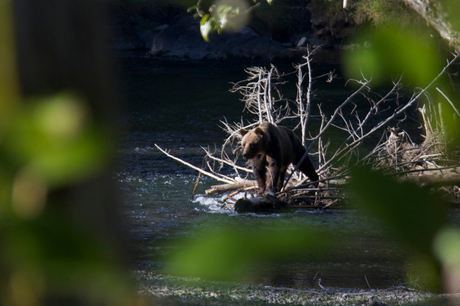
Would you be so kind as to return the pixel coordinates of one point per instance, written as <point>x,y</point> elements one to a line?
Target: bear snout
<point>249,153</point>
<point>245,154</point>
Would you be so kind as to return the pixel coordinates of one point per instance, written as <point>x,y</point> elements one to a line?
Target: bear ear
<point>243,132</point>
<point>259,131</point>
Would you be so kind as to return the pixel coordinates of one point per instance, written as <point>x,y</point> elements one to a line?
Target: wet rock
<point>168,31</point>
<point>146,36</point>
<point>133,25</point>
<point>244,206</point>
<point>257,47</point>
<point>184,40</point>
<point>302,42</point>
<point>316,41</point>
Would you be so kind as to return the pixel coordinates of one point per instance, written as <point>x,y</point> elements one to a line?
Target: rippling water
<point>178,106</point>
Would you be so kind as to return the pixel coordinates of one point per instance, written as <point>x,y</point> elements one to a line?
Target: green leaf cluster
<point>222,15</point>
<point>51,138</point>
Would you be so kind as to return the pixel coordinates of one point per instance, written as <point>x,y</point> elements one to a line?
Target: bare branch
<point>364,85</point>
<point>448,100</point>
<point>217,178</point>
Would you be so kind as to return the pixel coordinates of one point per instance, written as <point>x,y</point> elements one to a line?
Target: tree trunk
<point>61,45</point>
<point>433,12</point>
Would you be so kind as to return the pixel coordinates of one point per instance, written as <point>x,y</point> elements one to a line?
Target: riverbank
<point>168,290</point>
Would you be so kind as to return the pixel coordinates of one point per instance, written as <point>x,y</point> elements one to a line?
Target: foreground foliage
<point>56,240</point>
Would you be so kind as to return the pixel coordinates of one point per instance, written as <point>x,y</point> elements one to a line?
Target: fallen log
<point>240,184</point>
<point>432,181</point>
<point>316,198</point>
<point>245,185</point>
<point>272,204</point>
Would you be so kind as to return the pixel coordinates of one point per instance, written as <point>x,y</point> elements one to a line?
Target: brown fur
<point>275,148</point>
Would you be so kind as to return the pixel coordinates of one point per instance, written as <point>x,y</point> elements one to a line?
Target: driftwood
<point>240,184</point>
<point>433,178</point>
<point>214,176</point>
<point>430,178</point>
<point>314,198</point>
<point>433,181</point>
<point>426,164</point>
<point>438,176</point>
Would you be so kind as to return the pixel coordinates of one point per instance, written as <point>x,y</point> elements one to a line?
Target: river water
<point>178,105</point>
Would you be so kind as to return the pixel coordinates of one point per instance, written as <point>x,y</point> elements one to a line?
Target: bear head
<point>254,142</point>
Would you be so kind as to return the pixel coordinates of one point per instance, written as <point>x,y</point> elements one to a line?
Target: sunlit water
<point>178,106</point>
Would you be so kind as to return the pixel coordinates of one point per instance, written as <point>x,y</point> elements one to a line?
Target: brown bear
<point>275,148</point>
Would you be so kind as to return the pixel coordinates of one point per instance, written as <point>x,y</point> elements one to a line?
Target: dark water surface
<point>178,105</point>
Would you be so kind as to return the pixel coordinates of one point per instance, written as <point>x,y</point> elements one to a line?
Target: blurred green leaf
<point>229,253</point>
<point>413,214</point>
<point>390,51</point>
<point>192,8</point>
<point>70,260</point>
<point>452,8</point>
<point>54,139</point>
<point>223,12</point>
<point>205,27</point>
<point>423,271</point>
<point>77,160</point>
<point>223,9</point>
<point>61,116</point>
<point>224,15</point>
<point>447,247</point>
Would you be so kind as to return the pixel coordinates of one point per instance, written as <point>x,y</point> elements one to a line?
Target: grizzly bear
<point>275,148</point>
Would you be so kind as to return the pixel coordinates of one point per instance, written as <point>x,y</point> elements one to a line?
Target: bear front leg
<point>259,175</point>
<point>273,178</point>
